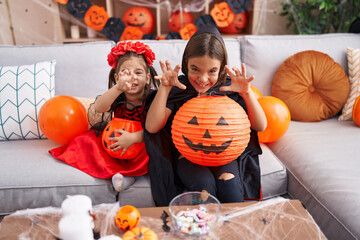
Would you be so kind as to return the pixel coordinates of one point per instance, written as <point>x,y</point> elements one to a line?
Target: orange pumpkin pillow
<point>312,85</point>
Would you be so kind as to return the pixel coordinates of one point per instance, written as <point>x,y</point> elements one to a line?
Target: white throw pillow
<point>353,56</point>
<point>23,90</point>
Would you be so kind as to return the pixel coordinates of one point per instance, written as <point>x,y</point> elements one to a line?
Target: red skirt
<point>86,153</point>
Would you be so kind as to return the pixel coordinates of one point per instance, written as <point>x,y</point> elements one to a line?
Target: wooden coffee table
<point>271,219</point>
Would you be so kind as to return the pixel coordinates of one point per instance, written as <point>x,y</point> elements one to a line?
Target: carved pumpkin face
<point>113,28</point>
<point>140,17</point>
<point>127,125</point>
<point>127,218</point>
<point>187,31</point>
<point>237,25</point>
<point>211,130</point>
<point>96,17</point>
<point>131,33</point>
<point>78,8</point>
<point>222,14</point>
<point>239,6</point>
<point>177,20</point>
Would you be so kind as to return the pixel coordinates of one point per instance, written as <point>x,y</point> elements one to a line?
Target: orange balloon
<point>256,91</point>
<point>278,119</point>
<point>356,111</point>
<point>62,118</point>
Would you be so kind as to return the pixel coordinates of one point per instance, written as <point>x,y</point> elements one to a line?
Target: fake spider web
<point>277,218</point>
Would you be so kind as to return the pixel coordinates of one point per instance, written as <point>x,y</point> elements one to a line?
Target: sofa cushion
<point>23,90</point>
<point>264,54</point>
<point>353,56</point>
<point>312,85</point>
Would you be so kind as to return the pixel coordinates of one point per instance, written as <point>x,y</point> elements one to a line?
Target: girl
<point>205,71</point>
<point>129,85</point>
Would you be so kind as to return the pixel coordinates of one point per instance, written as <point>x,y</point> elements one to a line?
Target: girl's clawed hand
<point>122,142</point>
<point>239,82</point>
<point>124,80</point>
<point>169,77</point>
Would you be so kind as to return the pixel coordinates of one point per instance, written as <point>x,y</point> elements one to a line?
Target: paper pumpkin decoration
<point>211,130</point>
<point>127,217</point>
<point>356,111</point>
<point>187,31</point>
<point>237,25</point>
<point>177,20</point>
<point>96,17</point>
<point>131,33</point>
<point>143,233</point>
<point>204,20</point>
<point>140,17</point>
<point>222,14</point>
<point>113,29</point>
<point>127,125</point>
<point>278,119</point>
<point>78,8</point>
<point>239,6</point>
<point>62,118</point>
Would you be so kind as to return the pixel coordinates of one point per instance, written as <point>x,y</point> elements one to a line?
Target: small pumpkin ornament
<point>127,218</point>
<point>78,8</point>
<point>140,233</point>
<point>239,6</point>
<point>179,19</point>
<point>140,17</point>
<point>187,31</point>
<point>211,130</point>
<point>237,25</point>
<point>222,14</point>
<point>96,17</point>
<point>131,33</point>
<point>110,131</point>
<point>356,111</point>
<point>113,28</point>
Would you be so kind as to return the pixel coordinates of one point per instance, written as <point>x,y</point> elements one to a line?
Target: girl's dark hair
<point>154,84</point>
<point>206,44</point>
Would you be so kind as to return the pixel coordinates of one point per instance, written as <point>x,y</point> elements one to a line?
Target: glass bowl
<point>194,213</point>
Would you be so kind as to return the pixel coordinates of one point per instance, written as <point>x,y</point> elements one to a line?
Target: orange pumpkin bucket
<point>211,130</point>
<point>127,217</point>
<point>127,125</point>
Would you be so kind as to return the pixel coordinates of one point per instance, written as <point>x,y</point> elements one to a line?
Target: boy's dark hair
<point>206,44</point>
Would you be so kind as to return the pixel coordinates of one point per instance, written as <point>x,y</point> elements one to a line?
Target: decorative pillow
<point>312,85</point>
<point>23,90</point>
<point>353,56</point>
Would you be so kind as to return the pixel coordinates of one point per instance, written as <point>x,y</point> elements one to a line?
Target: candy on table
<point>194,221</point>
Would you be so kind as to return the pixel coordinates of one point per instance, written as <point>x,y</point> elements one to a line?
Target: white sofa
<point>314,162</point>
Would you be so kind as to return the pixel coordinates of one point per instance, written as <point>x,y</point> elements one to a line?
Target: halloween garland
<point>229,16</point>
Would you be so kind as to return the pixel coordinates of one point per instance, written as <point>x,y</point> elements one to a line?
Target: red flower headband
<point>124,47</point>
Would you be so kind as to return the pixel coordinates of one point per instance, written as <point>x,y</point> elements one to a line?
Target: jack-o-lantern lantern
<point>177,20</point>
<point>113,29</point>
<point>143,233</point>
<point>127,218</point>
<point>211,130</point>
<point>131,33</point>
<point>239,6</point>
<point>140,17</point>
<point>78,8</point>
<point>222,14</point>
<point>187,31</point>
<point>237,25</point>
<point>96,17</point>
<point>110,132</point>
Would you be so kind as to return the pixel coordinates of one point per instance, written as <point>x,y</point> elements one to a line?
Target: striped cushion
<point>23,90</point>
<point>353,55</point>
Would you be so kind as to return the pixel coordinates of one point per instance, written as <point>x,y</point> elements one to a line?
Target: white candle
<point>76,227</point>
<point>75,31</point>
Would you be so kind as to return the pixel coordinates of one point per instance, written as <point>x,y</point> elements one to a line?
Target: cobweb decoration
<point>277,218</point>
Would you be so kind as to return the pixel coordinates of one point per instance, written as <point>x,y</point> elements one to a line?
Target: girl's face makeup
<point>137,67</point>
<point>203,72</point>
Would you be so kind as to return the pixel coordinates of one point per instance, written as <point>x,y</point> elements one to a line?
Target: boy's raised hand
<point>239,82</point>
<point>124,80</point>
<point>169,77</point>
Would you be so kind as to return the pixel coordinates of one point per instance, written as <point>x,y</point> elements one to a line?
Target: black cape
<point>165,183</point>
